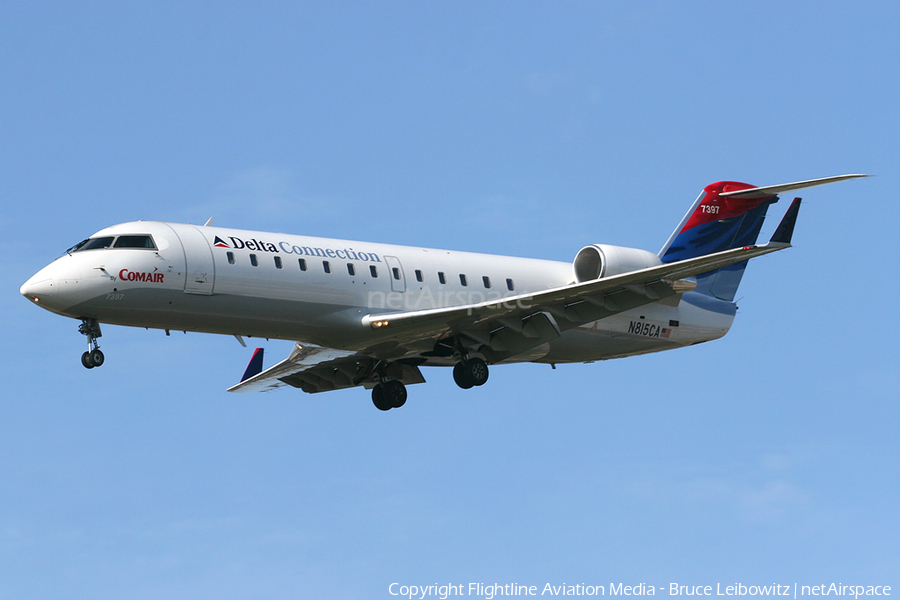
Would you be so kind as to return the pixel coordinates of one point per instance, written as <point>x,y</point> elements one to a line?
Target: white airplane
<point>371,315</point>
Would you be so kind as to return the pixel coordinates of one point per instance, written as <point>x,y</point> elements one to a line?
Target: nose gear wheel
<point>93,357</point>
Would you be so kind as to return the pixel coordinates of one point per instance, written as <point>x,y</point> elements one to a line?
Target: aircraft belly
<point>651,328</point>
<point>583,345</point>
<point>224,314</point>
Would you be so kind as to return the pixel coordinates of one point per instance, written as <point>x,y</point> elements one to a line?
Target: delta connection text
<point>288,248</point>
<point>489,591</point>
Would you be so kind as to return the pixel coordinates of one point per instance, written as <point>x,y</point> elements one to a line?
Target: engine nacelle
<point>603,260</point>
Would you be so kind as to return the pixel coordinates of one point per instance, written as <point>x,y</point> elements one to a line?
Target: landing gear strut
<point>470,372</point>
<point>389,394</point>
<point>93,357</point>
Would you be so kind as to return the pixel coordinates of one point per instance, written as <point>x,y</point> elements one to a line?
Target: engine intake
<point>603,260</point>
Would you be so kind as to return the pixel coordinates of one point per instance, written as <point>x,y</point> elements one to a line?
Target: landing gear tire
<point>86,360</point>
<point>478,370</point>
<point>471,372</point>
<point>97,358</point>
<point>388,395</point>
<point>461,376</point>
<point>395,393</point>
<point>378,398</point>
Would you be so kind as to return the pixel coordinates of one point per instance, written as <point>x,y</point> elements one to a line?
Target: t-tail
<point>726,215</point>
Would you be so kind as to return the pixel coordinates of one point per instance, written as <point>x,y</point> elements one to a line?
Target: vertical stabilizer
<point>718,221</point>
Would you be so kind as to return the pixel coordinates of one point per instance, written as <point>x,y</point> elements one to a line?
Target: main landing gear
<point>389,394</point>
<point>93,357</point>
<point>470,372</point>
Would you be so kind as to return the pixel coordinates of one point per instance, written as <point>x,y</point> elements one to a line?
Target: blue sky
<point>529,129</point>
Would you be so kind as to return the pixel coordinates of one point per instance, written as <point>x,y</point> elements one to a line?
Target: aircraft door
<point>395,271</point>
<point>200,270</point>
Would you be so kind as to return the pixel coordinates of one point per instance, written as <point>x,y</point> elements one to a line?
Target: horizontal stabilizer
<point>774,190</point>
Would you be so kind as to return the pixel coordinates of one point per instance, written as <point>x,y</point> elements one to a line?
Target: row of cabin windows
<point>373,271</point>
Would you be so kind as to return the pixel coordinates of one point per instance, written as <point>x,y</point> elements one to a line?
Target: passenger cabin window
<point>419,277</point>
<point>487,281</point>
<point>351,269</point>
<point>254,261</point>
<point>230,256</point>
<point>278,264</point>
<point>302,264</point>
<point>462,280</point>
<point>396,272</point>
<point>135,241</point>
<point>373,270</point>
<point>510,285</point>
<point>327,266</point>
<point>441,277</point>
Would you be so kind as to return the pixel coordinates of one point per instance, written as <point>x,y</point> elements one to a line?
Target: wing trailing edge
<point>327,361</point>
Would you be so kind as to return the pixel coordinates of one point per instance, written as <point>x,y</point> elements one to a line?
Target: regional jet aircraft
<point>371,315</point>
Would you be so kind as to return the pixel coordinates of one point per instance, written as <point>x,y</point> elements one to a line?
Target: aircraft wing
<point>508,326</point>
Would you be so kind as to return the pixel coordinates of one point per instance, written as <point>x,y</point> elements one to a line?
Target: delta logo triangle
<point>220,243</point>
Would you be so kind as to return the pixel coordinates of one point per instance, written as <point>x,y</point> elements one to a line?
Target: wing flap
<point>316,369</point>
<point>301,358</point>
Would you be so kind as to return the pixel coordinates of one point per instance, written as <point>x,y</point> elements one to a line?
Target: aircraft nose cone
<point>38,288</point>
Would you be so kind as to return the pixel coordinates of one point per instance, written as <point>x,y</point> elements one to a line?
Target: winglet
<point>785,229</point>
<point>255,366</point>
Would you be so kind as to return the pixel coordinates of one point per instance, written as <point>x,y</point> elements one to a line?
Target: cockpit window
<point>123,241</point>
<point>135,241</point>
<point>92,244</point>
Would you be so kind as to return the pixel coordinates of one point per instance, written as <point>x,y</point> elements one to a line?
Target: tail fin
<point>717,222</point>
<point>727,215</point>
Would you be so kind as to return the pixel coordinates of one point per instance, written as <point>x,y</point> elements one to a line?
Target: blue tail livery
<point>726,215</point>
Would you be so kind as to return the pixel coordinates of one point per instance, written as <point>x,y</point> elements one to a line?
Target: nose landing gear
<point>93,357</point>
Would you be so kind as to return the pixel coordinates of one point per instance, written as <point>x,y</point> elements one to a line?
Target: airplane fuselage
<point>317,291</point>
